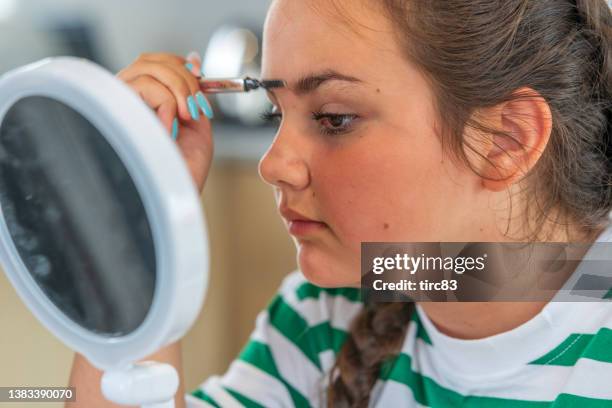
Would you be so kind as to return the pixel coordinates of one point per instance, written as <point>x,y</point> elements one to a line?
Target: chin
<point>324,270</point>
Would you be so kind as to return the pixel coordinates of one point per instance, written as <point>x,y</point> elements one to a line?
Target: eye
<point>330,123</point>
<point>334,123</point>
<point>271,117</point>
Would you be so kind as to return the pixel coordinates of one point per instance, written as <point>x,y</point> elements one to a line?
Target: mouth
<point>298,224</point>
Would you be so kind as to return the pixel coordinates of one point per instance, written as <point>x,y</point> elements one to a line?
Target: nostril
<point>283,165</point>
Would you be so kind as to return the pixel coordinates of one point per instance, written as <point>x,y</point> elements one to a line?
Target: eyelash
<point>317,116</point>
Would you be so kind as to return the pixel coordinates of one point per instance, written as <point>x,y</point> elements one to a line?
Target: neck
<point>475,320</point>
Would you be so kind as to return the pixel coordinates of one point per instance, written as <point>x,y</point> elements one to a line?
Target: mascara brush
<point>230,85</point>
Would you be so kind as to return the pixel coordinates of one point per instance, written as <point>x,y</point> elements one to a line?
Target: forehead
<point>299,35</point>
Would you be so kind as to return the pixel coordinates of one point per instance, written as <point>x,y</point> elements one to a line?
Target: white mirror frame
<point>169,196</point>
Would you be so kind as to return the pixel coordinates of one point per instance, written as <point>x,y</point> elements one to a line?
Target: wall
<point>124,29</point>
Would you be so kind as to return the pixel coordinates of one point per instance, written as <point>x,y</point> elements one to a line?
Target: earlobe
<point>527,122</point>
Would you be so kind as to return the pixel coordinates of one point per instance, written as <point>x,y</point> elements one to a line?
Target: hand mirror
<point>102,232</point>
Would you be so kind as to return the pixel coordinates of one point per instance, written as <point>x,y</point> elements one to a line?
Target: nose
<point>284,163</point>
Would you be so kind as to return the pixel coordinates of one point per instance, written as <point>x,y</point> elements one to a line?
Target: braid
<point>376,334</point>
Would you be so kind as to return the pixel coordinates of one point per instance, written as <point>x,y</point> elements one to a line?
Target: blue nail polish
<point>193,109</point>
<point>189,66</point>
<point>175,126</point>
<point>204,105</point>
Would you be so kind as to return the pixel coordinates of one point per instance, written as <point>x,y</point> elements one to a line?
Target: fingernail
<point>175,126</point>
<point>193,109</point>
<point>189,66</point>
<point>193,55</point>
<point>204,105</point>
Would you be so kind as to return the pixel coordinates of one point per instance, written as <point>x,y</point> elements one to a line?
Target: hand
<point>165,82</point>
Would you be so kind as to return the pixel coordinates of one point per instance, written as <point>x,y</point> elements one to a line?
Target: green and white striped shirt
<point>560,358</point>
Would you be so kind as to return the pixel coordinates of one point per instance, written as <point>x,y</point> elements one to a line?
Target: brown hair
<point>476,54</point>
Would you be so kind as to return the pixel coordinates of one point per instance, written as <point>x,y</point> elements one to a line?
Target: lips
<point>291,215</point>
<point>299,224</point>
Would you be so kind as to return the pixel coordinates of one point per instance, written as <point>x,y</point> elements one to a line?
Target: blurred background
<point>250,248</point>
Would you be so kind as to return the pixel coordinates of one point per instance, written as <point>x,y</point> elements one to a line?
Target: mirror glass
<point>75,216</point>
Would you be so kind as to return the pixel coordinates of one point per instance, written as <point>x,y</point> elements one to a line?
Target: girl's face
<point>374,171</point>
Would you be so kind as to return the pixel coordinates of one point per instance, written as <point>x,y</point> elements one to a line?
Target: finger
<point>195,60</point>
<point>179,65</point>
<point>158,97</point>
<point>183,71</point>
<point>153,92</point>
<point>196,67</point>
<point>162,57</point>
<point>204,105</point>
<point>197,100</point>
<point>176,64</point>
<point>167,115</point>
<point>192,65</point>
<point>168,76</point>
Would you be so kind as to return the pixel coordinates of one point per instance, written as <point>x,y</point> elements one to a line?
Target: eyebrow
<point>311,82</point>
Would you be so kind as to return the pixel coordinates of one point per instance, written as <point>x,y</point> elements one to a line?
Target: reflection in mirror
<point>75,216</point>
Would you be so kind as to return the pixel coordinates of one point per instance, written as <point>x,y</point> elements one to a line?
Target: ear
<point>528,122</point>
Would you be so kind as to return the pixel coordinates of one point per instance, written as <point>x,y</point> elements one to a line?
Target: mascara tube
<point>233,85</point>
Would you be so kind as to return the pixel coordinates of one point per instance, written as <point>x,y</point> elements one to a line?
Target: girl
<point>415,121</point>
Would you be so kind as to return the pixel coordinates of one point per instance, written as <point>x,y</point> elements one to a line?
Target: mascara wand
<point>229,85</point>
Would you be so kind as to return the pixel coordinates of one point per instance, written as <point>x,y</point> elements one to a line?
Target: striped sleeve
<point>285,361</point>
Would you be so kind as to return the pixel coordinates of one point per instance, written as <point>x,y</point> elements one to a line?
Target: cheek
<point>381,188</point>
